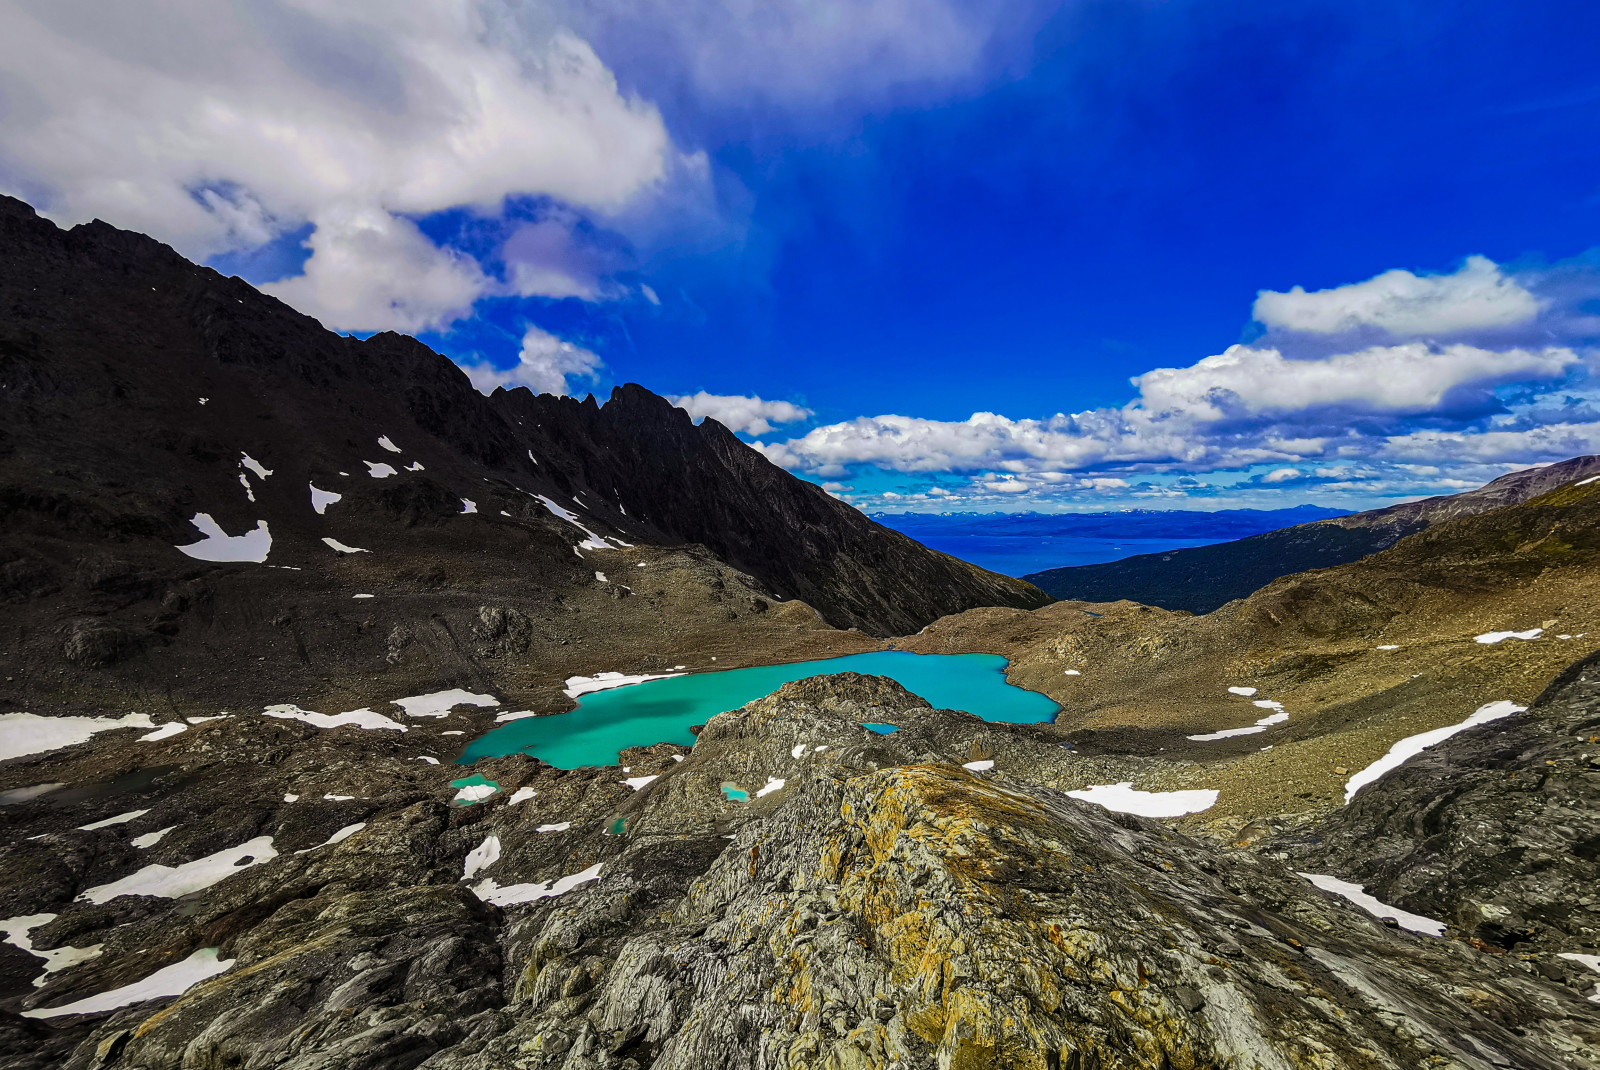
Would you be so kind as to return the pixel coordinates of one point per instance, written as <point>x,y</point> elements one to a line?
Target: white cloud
<point>545,365</point>
<point>751,415</point>
<point>1245,406</point>
<point>1411,378</point>
<point>1281,475</point>
<point>1476,297</point>
<point>372,271</point>
<point>216,127</point>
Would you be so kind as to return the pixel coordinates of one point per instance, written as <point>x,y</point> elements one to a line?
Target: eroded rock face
<point>868,902</point>
<point>1492,830</point>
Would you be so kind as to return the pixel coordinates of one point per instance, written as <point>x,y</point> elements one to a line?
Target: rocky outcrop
<point>868,902</point>
<point>1202,578</point>
<point>1492,831</point>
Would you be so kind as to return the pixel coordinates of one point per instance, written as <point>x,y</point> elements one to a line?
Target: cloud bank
<point>546,365</point>
<point>1447,400</point>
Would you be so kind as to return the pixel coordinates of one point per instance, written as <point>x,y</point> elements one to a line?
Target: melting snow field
<point>592,542</point>
<point>440,703</point>
<point>491,892</point>
<point>29,733</point>
<point>604,681</point>
<point>16,932</point>
<point>1412,746</point>
<point>218,545</point>
<point>1356,893</point>
<point>1125,800</point>
<point>362,718</point>
<point>1276,717</point>
<point>481,857</point>
<point>171,980</point>
<point>1490,638</point>
<point>171,882</point>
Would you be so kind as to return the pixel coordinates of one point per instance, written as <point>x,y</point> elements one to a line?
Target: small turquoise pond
<point>661,711</point>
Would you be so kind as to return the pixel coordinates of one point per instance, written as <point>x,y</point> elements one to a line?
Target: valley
<point>236,832</point>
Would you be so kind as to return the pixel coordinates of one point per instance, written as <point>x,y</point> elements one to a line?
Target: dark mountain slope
<point>1201,578</point>
<point>109,341</point>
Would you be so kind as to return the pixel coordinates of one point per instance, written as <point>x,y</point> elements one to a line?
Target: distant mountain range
<point>1200,579</point>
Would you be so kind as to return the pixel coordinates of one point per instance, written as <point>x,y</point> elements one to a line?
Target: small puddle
<point>734,793</point>
<point>664,710</point>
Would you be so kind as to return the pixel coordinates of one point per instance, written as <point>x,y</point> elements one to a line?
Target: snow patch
<point>560,826</point>
<point>474,793</point>
<point>979,767</point>
<point>481,857</point>
<point>342,548</point>
<point>383,440</point>
<point>1071,672</point>
<point>592,542</point>
<point>15,932</point>
<point>362,718</point>
<point>601,576</point>
<point>468,505</point>
<point>1390,646</point>
<point>218,545</point>
<point>150,839</point>
<point>1245,691</point>
<point>604,681</point>
<point>363,596</point>
<point>521,795</point>
<point>1356,893</point>
<point>440,703</point>
<point>172,980</point>
<point>171,882</point>
<point>254,465</point>
<point>1412,746</point>
<point>166,731</point>
<point>29,733</point>
<point>321,499</point>
<point>637,782</point>
<point>120,819</point>
<point>491,892</point>
<point>343,834</point>
<point>773,784</point>
<point>1490,638</point>
<point>1123,799</point>
<point>796,751</point>
<point>1586,482</point>
<point>379,470</point>
<point>513,715</point>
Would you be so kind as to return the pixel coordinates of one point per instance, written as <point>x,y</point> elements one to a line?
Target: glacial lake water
<point>661,711</point>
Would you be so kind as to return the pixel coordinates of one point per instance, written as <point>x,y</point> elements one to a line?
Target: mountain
<point>139,392</point>
<point>1201,578</point>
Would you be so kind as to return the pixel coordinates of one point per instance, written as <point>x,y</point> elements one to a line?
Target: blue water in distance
<point>661,711</point>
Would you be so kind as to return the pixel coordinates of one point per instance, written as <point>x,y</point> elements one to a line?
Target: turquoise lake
<point>661,711</point>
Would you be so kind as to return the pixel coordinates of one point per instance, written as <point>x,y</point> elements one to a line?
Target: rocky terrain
<point>1202,578</point>
<point>235,835</point>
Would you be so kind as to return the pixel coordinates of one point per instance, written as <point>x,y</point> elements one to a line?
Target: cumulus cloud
<point>1242,407</point>
<point>1411,378</point>
<point>545,365</point>
<point>372,271</point>
<point>1476,297</point>
<point>752,415</point>
<point>216,127</point>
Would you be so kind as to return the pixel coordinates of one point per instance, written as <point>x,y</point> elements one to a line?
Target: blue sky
<point>847,227</point>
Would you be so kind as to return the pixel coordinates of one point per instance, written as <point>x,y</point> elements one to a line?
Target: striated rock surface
<point>1492,830</point>
<point>869,903</point>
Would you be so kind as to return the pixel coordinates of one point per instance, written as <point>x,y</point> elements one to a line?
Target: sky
<point>952,255</point>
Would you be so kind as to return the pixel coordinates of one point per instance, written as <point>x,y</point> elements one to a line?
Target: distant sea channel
<point>1017,544</point>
